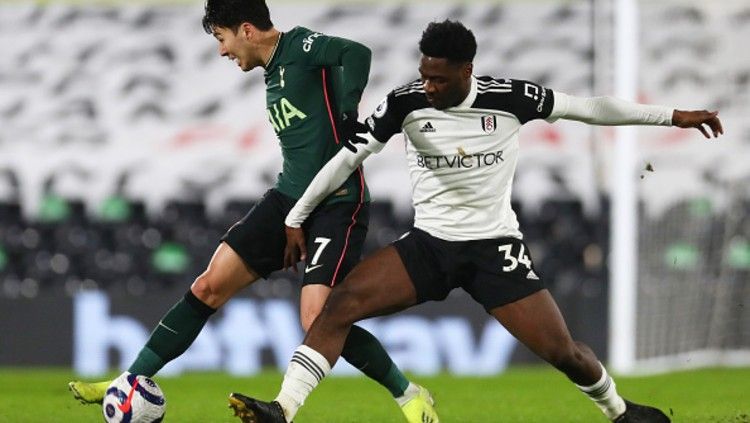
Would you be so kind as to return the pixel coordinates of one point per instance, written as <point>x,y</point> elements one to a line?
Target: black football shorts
<point>494,272</point>
<point>335,234</point>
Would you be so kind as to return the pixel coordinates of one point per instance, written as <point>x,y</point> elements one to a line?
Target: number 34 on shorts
<point>514,258</point>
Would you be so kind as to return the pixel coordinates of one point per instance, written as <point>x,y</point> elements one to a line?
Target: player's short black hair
<point>448,40</point>
<point>232,13</point>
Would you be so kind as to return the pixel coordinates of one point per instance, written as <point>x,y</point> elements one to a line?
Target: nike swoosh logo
<point>168,328</point>
<point>125,408</point>
<point>309,269</point>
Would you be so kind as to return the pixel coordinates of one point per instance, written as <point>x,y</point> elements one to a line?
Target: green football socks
<point>363,351</point>
<point>184,321</point>
<point>173,335</point>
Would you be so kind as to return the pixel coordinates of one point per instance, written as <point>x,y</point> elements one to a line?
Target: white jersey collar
<point>469,100</point>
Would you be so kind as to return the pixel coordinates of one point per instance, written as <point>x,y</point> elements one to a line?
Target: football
<point>135,399</point>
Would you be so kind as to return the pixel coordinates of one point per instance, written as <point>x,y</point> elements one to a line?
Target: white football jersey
<point>462,159</point>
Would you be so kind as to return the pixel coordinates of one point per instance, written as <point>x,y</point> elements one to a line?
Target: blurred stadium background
<point>128,147</point>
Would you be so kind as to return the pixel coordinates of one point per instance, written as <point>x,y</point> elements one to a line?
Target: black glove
<point>350,127</point>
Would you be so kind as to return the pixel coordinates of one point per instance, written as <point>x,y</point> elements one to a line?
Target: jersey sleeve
<point>524,99</point>
<point>354,59</point>
<point>531,100</point>
<point>388,118</point>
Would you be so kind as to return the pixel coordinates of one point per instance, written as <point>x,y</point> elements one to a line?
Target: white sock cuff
<point>598,385</point>
<point>311,360</point>
<point>411,391</point>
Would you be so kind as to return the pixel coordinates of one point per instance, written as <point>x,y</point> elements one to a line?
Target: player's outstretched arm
<point>614,111</point>
<point>698,119</point>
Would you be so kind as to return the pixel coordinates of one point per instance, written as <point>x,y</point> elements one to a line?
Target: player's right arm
<point>614,111</point>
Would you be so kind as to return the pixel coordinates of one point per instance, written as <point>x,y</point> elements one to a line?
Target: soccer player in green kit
<point>313,86</point>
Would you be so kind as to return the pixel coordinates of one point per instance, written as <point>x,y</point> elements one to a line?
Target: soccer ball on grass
<point>133,399</point>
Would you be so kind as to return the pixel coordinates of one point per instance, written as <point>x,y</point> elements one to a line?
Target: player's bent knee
<point>343,307</point>
<point>205,289</point>
<point>201,288</point>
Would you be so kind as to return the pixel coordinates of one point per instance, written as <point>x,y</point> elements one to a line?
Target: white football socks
<point>605,396</point>
<point>306,369</point>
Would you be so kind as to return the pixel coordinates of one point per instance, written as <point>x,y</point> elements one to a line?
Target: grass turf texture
<point>519,395</point>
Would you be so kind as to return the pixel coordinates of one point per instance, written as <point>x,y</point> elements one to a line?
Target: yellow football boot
<point>420,409</point>
<point>89,392</point>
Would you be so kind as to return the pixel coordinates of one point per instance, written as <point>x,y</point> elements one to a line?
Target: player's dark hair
<point>448,40</point>
<point>232,13</point>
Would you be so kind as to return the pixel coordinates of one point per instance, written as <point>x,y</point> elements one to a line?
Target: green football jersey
<point>311,79</point>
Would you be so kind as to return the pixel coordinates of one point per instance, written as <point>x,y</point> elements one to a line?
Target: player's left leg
<point>537,322</point>
<point>508,287</point>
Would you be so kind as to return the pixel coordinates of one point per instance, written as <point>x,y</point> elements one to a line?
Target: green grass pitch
<point>535,394</point>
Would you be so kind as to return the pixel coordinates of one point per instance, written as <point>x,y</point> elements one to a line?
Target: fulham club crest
<point>489,123</point>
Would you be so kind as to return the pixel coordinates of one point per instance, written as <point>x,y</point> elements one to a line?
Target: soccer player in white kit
<point>462,147</point>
